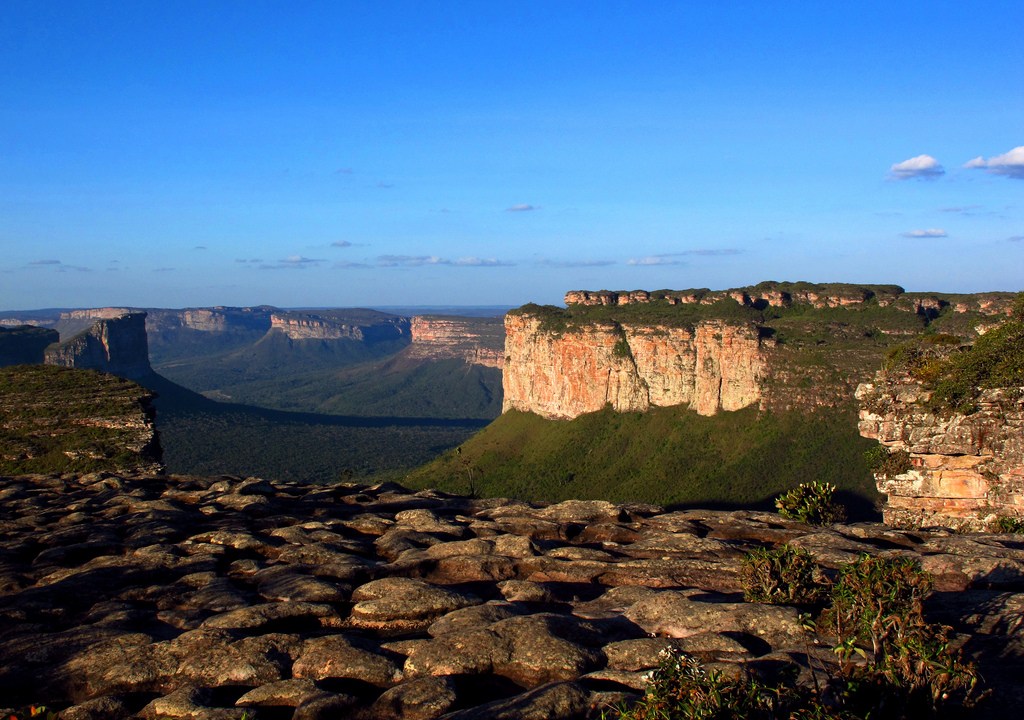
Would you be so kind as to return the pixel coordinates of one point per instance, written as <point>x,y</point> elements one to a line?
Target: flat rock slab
<point>180,597</point>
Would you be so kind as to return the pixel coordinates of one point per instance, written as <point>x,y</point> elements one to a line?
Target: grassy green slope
<point>665,456</point>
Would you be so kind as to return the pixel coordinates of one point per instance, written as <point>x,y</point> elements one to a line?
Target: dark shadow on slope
<point>204,437</point>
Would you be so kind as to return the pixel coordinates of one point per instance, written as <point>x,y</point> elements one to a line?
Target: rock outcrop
<point>478,341</point>
<point>212,320</point>
<point>54,418</point>
<point>364,326</point>
<point>116,345</point>
<point>964,470</point>
<point>25,344</point>
<point>566,372</point>
<point>823,295</point>
<point>160,597</point>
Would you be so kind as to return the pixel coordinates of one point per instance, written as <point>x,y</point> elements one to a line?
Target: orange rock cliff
<point>715,366</point>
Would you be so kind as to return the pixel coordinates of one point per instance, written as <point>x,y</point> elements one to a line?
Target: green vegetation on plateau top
<point>956,374</point>
<point>55,419</point>
<point>894,315</point>
<point>665,456</point>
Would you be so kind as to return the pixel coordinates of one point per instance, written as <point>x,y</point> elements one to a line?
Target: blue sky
<point>400,153</point>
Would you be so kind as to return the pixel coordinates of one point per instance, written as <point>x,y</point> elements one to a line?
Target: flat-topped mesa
<point>366,326</point>
<point>713,366</point>
<point>218,319</point>
<point>964,470</point>
<point>823,295</point>
<point>477,341</point>
<point>116,345</point>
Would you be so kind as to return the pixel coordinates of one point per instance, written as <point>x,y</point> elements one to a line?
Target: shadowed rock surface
<point>172,597</point>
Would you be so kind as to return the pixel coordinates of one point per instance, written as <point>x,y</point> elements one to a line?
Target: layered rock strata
<point>311,326</point>
<point>116,345</point>
<point>565,373</point>
<point>173,597</point>
<point>823,295</point>
<point>478,341</point>
<point>965,470</point>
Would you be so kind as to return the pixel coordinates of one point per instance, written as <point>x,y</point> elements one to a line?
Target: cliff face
<point>965,470</point>
<point>211,320</point>
<point>477,341</point>
<point>716,366</point>
<point>312,326</point>
<point>118,346</point>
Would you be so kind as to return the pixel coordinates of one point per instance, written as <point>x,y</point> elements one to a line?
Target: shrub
<point>782,576</point>
<point>911,669</point>
<point>811,503</point>
<point>681,688</point>
<point>888,463</point>
<point>1006,524</point>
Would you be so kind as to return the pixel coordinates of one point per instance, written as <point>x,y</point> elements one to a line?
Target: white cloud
<point>425,260</point>
<point>574,263</point>
<point>1009,164</point>
<point>654,260</point>
<point>522,207</point>
<point>929,233</point>
<point>482,262</point>
<point>293,262</point>
<point>922,167</point>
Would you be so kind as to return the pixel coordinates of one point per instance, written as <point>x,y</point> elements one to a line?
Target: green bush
<point>910,669</point>
<point>782,576</point>
<point>682,688</point>
<point>893,664</point>
<point>888,463</point>
<point>811,503</point>
<point>1006,524</point>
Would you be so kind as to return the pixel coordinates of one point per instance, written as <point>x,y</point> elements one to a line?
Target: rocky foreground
<point>185,597</point>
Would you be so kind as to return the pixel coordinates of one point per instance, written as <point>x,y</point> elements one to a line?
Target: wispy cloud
<point>1009,164</point>
<point>1016,238</point>
<point>961,209</point>
<point>293,262</point>
<point>655,260</point>
<point>343,171</point>
<point>673,258</point>
<point>706,252</point>
<point>57,265</point>
<point>522,207</point>
<point>163,269</point>
<point>385,186</point>
<point>482,262</point>
<point>929,233</point>
<point>347,265</point>
<point>922,167</point>
<point>199,247</point>
<point>341,244</point>
<point>426,260</point>
<point>574,263</point>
